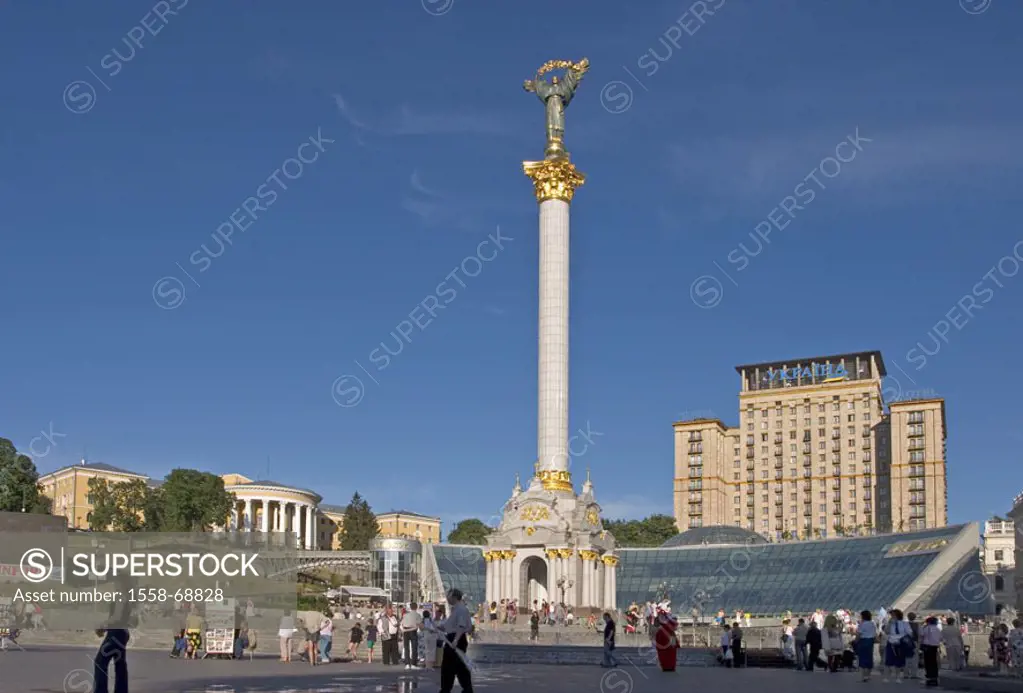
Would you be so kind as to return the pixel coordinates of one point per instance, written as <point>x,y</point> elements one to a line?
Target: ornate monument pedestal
<point>550,544</point>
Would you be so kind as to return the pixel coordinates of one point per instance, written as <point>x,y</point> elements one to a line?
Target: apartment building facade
<point>813,454</point>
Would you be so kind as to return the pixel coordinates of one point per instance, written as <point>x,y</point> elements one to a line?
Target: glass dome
<point>714,536</point>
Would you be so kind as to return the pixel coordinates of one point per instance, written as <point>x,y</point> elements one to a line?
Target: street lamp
<point>564,584</point>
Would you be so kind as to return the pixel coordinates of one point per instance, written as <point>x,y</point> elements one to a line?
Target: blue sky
<point>120,168</point>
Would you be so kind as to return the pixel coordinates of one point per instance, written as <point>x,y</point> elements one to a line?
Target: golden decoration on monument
<point>555,480</point>
<point>530,531</point>
<point>592,516</point>
<point>565,553</point>
<point>588,555</point>
<point>610,560</point>
<point>535,513</point>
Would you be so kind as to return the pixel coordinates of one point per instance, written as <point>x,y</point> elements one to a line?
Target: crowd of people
<point>896,643</point>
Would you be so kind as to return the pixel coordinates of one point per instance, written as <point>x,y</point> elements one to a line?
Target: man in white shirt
<point>411,622</point>
<point>387,626</point>
<point>456,628</point>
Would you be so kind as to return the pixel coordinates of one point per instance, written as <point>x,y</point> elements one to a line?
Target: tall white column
<point>310,527</point>
<point>296,523</point>
<point>490,576</point>
<point>234,518</point>
<point>601,599</point>
<point>265,524</point>
<point>552,416</point>
<point>248,515</point>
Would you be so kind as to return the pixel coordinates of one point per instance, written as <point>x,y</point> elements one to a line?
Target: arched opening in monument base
<point>533,581</point>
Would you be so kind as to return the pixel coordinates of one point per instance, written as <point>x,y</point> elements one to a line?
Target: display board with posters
<point>220,627</point>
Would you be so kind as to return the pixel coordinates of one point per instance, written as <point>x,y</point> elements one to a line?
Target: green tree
<point>104,508</point>
<point>470,531</point>
<point>130,501</point>
<point>649,532</point>
<point>153,510</point>
<point>20,490</point>
<point>360,525</point>
<point>194,501</point>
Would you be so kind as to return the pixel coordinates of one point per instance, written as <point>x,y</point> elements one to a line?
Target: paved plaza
<point>68,670</point>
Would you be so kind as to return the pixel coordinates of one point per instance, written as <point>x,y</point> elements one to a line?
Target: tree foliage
<point>649,532</point>
<point>19,482</point>
<point>104,509</point>
<point>470,531</point>
<point>360,525</point>
<point>192,501</point>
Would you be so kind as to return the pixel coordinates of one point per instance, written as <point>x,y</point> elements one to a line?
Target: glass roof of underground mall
<point>855,573</point>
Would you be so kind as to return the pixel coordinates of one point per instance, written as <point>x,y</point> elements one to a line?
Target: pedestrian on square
<point>815,641</point>
<point>609,641</point>
<point>866,635</point>
<point>456,627</point>
<point>952,638</point>
<point>930,643</point>
<point>411,623</point>
<point>354,640</point>
<point>799,635</point>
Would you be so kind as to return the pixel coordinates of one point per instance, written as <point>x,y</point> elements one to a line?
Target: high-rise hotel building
<point>817,453</point>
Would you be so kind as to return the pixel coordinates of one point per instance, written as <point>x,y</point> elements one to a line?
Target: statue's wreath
<point>580,66</point>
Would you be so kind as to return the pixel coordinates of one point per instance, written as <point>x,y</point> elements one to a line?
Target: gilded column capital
<point>565,553</point>
<point>554,179</point>
<point>551,553</point>
<point>507,555</point>
<point>610,560</point>
<point>588,555</point>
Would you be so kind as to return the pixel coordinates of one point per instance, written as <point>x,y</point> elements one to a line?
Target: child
<point>534,626</point>
<point>354,641</point>
<point>371,639</point>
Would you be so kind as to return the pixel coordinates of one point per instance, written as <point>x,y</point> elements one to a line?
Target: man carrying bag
<point>455,629</point>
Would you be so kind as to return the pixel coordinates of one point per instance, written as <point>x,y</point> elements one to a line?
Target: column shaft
<point>310,528</point>
<point>266,516</point>
<point>248,514</point>
<point>552,414</point>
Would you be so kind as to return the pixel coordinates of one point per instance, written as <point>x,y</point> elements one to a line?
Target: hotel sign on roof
<point>916,547</point>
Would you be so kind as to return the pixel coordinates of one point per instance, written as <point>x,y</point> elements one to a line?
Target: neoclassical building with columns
<point>270,506</point>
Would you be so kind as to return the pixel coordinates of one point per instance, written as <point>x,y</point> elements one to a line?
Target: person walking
<point>326,638</point>
<point>609,641</point>
<point>114,647</point>
<point>387,625</point>
<point>866,635</point>
<point>285,631</point>
<point>666,642</point>
<point>799,636</point>
<point>930,643</point>
<point>913,655</point>
<point>815,641</point>
<point>952,638</point>
<point>456,629</point>
<point>411,623</point>
<point>898,641</point>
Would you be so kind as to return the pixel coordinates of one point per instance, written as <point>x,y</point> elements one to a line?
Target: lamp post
<point>564,584</point>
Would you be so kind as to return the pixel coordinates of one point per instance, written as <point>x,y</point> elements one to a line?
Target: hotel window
<point>852,455</point>
<point>916,456</point>
<point>999,554</point>
<point>852,494</point>
<point>793,496</point>
<point>851,405</point>
<point>763,413</point>
<point>836,406</point>
<point>823,507</point>
<point>736,500</point>
<point>792,510</point>
<point>822,445</point>
<point>792,422</point>
<point>792,434</point>
<point>851,418</point>
<point>820,407</point>
<point>821,420</point>
<point>735,476</point>
<point>749,426</point>
<point>806,422</point>
<point>778,423</point>
<point>822,469</point>
<point>836,419</point>
<point>806,409</point>
<point>763,425</point>
<point>866,416</point>
<point>763,497</point>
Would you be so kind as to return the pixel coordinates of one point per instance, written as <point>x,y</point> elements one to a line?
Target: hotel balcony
<point>779,464</point>
<point>916,445</point>
<point>750,454</point>
<point>836,484</point>
<point>695,437</point>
